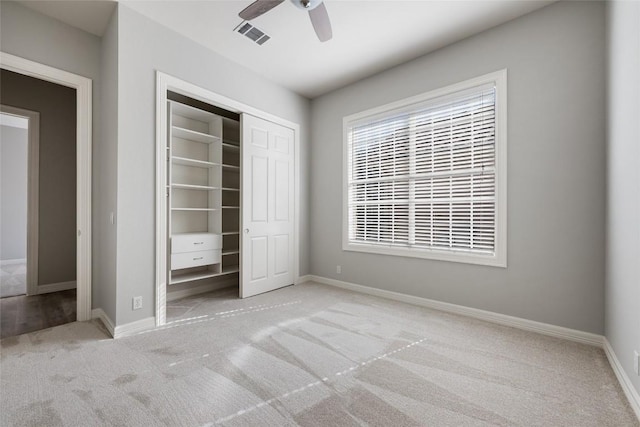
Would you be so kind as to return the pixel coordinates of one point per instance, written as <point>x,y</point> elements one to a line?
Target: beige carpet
<point>307,355</point>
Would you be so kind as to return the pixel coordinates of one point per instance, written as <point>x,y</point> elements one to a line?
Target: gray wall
<point>105,157</point>
<point>150,47</point>
<point>623,203</point>
<point>37,37</point>
<point>57,181</point>
<point>556,171</point>
<point>14,146</point>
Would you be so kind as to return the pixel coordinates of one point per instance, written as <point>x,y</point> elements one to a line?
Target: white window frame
<point>499,257</point>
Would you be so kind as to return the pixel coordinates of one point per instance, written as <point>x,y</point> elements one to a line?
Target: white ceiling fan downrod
<point>306,4</point>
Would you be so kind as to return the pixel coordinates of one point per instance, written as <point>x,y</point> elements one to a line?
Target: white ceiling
<point>368,35</point>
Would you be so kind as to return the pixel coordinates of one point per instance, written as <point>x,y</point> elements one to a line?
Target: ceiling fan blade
<point>320,21</point>
<point>258,8</point>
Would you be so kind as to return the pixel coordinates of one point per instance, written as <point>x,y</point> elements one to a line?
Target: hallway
<point>22,314</point>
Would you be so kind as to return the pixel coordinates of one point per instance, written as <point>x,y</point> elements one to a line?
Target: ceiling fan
<point>316,8</point>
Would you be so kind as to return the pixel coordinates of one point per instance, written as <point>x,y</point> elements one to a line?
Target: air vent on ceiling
<point>252,33</point>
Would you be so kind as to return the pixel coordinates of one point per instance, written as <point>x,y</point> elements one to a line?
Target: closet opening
<point>227,198</point>
<point>203,197</point>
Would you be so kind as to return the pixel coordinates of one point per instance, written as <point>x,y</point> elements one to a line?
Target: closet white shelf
<point>193,162</point>
<point>230,269</point>
<point>231,207</point>
<point>188,277</point>
<point>230,252</point>
<point>231,167</point>
<point>194,187</point>
<point>195,209</point>
<point>199,275</point>
<point>230,189</point>
<point>231,146</point>
<point>192,233</point>
<point>229,233</point>
<point>193,135</point>
<point>192,112</point>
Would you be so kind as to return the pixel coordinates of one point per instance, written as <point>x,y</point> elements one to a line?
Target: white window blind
<point>423,176</point>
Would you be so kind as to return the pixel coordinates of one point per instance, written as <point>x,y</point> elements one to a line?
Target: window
<point>426,177</point>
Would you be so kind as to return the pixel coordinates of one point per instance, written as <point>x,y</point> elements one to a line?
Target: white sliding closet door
<point>267,206</point>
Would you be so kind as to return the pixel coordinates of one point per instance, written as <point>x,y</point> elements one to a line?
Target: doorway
<point>54,279</point>
<point>38,204</point>
<point>19,146</point>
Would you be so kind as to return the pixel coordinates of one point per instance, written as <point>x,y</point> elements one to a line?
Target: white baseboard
<point>489,316</point>
<point>56,287</point>
<point>623,378</point>
<point>123,330</point>
<point>134,327</point>
<point>13,261</point>
<point>304,279</point>
<point>200,289</point>
<point>98,313</point>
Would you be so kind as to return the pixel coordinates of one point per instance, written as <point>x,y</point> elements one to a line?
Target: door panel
<point>259,257</point>
<point>281,254</point>
<point>281,144</point>
<point>260,137</point>
<point>281,191</point>
<point>259,191</point>
<point>267,242</point>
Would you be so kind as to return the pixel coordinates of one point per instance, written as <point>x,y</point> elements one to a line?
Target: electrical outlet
<point>338,269</point>
<point>137,303</point>
<point>636,362</point>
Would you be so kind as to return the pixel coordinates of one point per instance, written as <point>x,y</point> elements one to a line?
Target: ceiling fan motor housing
<point>306,4</point>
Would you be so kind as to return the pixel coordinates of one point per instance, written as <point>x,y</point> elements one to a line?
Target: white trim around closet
<point>166,82</point>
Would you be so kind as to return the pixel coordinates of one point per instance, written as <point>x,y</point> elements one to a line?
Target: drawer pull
<point>198,243</point>
<point>196,259</point>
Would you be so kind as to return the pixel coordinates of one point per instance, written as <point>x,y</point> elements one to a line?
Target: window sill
<point>432,254</point>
